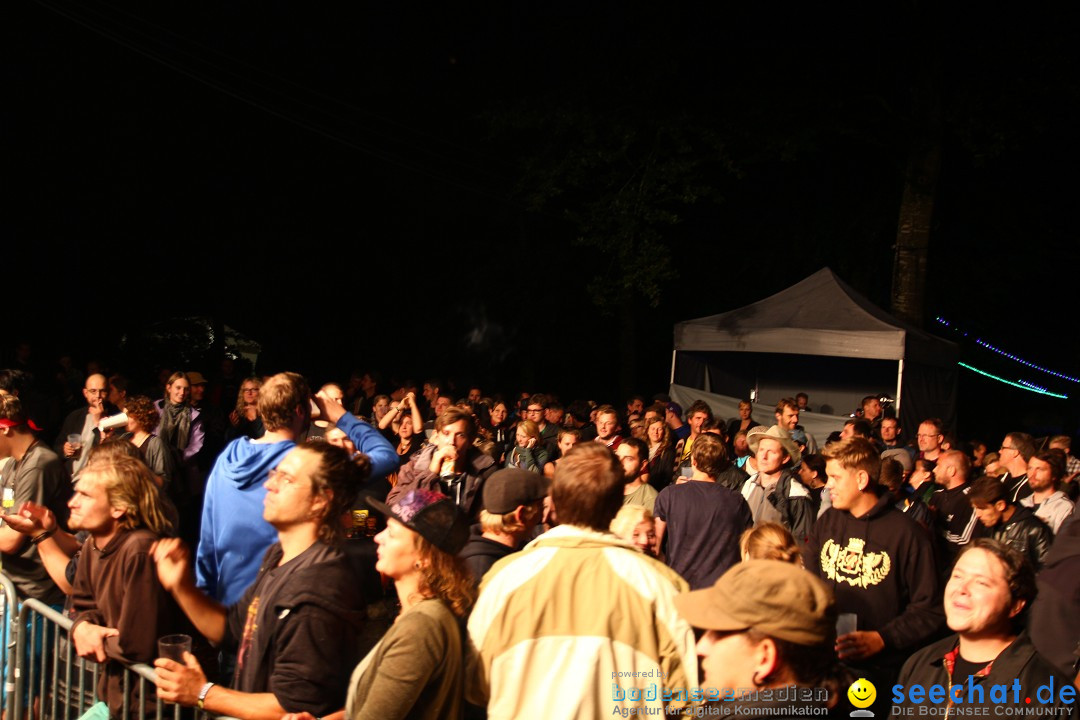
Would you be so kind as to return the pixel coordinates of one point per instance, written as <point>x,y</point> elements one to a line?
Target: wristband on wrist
<point>202,693</point>
<point>43,536</point>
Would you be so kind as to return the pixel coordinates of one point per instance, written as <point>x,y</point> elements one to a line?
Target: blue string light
<point>982,343</point>
<point>1028,387</point>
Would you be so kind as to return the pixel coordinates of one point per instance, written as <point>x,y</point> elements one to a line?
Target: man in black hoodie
<point>879,563</point>
<point>295,629</point>
<point>513,504</point>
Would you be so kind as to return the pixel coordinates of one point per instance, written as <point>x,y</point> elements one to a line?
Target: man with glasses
<point>84,423</point>
<point>1016,449</point>
<point>929,438</point>
<point>234,535</point>
<point>536,411</point>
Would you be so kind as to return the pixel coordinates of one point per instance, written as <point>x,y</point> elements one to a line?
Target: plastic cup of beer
<point>173,647</point>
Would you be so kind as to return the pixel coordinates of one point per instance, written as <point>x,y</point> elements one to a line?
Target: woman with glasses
<point>244,420</point>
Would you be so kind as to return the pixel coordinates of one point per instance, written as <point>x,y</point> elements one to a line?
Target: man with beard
<point>84,423</point>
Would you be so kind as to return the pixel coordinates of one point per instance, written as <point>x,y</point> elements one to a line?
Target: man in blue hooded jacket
<point>234,536</point>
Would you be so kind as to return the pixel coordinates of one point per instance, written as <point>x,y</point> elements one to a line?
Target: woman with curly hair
<point>416,670</point>
<point>661,453</point>
<point>143,417</point>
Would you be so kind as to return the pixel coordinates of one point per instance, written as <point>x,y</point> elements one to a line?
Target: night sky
<point>450,192</point>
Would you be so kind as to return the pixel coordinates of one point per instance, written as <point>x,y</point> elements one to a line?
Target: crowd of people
<point>577,560</point>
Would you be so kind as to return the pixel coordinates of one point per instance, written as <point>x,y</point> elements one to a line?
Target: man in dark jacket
<point>1012,524</point>
<point>451,465</point>
<point>83,422</point>
<point>989,661</point>
<point>513,505</point>
<point>775,493</point>
<point>954,520</point>
<point>295,629</point>
<point>879,563</point>
<point>1055,619</point>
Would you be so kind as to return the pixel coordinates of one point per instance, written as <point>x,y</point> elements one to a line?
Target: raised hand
<point>173,562</point>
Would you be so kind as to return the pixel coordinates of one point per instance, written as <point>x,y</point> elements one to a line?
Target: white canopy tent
<point>822,336</point>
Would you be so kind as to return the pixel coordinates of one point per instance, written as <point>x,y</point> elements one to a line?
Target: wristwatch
<point>202,693</point>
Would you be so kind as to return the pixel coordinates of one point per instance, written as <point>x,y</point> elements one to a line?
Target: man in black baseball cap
<point>513,504</point>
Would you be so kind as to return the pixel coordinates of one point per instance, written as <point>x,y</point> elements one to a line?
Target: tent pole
<point>899,382</point>
<point>672,380</point>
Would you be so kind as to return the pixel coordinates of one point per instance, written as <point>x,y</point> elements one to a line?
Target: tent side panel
<point>929,391</point>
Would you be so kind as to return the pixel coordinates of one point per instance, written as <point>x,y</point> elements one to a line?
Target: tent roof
<point>821,315</point>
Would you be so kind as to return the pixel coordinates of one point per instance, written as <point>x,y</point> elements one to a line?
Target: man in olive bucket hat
<point>775,493</point>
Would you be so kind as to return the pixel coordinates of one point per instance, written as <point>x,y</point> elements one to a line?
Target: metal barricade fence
<point>58,684</point>
<point>8,615</point>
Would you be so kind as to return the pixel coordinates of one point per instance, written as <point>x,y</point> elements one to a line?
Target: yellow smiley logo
<point>862,693</point>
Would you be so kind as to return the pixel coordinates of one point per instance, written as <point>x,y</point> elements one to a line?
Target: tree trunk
<point>917,203</point>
